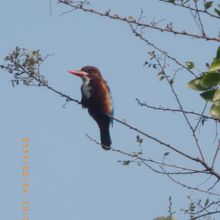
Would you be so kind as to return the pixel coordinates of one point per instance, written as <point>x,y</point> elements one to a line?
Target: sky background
<point>70,176</point>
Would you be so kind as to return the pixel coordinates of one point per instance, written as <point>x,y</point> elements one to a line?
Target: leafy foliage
<point>139,140</point>
<point>208,5</point>
<point>209,83</point>
<point>190,65</point>
<point>24,65</point>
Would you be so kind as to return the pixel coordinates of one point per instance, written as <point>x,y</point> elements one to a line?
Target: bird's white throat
<point>86,88</point>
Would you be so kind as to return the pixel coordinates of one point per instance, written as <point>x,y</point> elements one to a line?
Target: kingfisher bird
<point>97,99</point>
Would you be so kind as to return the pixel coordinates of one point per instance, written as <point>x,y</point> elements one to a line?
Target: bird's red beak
<point>78,73</point>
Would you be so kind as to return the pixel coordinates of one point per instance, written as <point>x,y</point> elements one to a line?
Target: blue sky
<point>70,176</point>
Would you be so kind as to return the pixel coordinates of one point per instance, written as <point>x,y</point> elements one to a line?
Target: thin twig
<point>161,108</point>
<point>203,182</point>
<point>209,169</point>
<point>199,19</point>
<point>160,50</point>
<point>133,21</point>
<point>212,187</point>
<point>156,139</point>
<point>21,69</point>
<point>191,187</point>
<point>144,160</point>
<point>181,108</point>
<point>47,86</point>
<point>206,214</point>
<point>206,207</point>
<point>50,6</point>
<point>201,117</point>
<point>192,9</point>
<point>215,156</point>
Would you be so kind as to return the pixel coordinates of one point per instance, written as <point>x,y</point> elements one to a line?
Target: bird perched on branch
<point>96,97</point>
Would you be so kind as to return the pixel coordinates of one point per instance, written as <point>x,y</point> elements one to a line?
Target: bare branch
<point>140,35</point>
<point>207,207</point>
<point>24,66</point>
<point>192,9</point>
<point>216,153</point>
<point>206,214</point>
<point>187,171</point>
<point>156,140</point>
<point>201,117</point>
<point>212,187</point>
<point>130,20</point>
<point>200,23</point>
<point>190,187</point>
<point>161,108</point>
<point>180,106</point>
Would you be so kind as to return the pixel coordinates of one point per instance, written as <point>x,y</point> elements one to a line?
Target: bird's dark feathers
<point>92,70</point>
<point>96,97</point>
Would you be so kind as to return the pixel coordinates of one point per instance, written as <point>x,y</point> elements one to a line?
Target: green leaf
<point>166,154</point>
<point>215,65</point>
<point>207,65</point>
<point>218,53</point>
<point>216,95</point>
<point>208,5</point>
<point>196,84</point>
<point>206,202</point>
<point>217,11</point>
<point>139,139</point>
<point>216,98</point>
<point>208,95</point>
<point>215,111</point>
<point>161,77</point>
<point>190,65</point>
<point>210,79</point>
<point>126,162</point>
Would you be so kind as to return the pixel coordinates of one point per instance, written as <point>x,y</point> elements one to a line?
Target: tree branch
<point>24,65</point>
<point>130,20</point>
<point>187,171</point>
<point>180,106</point>
<point>192,9</point>
<point>140,35</point>
<point>161,108</point>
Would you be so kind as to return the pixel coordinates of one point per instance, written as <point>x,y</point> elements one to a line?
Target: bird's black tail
<point>105,139</point>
